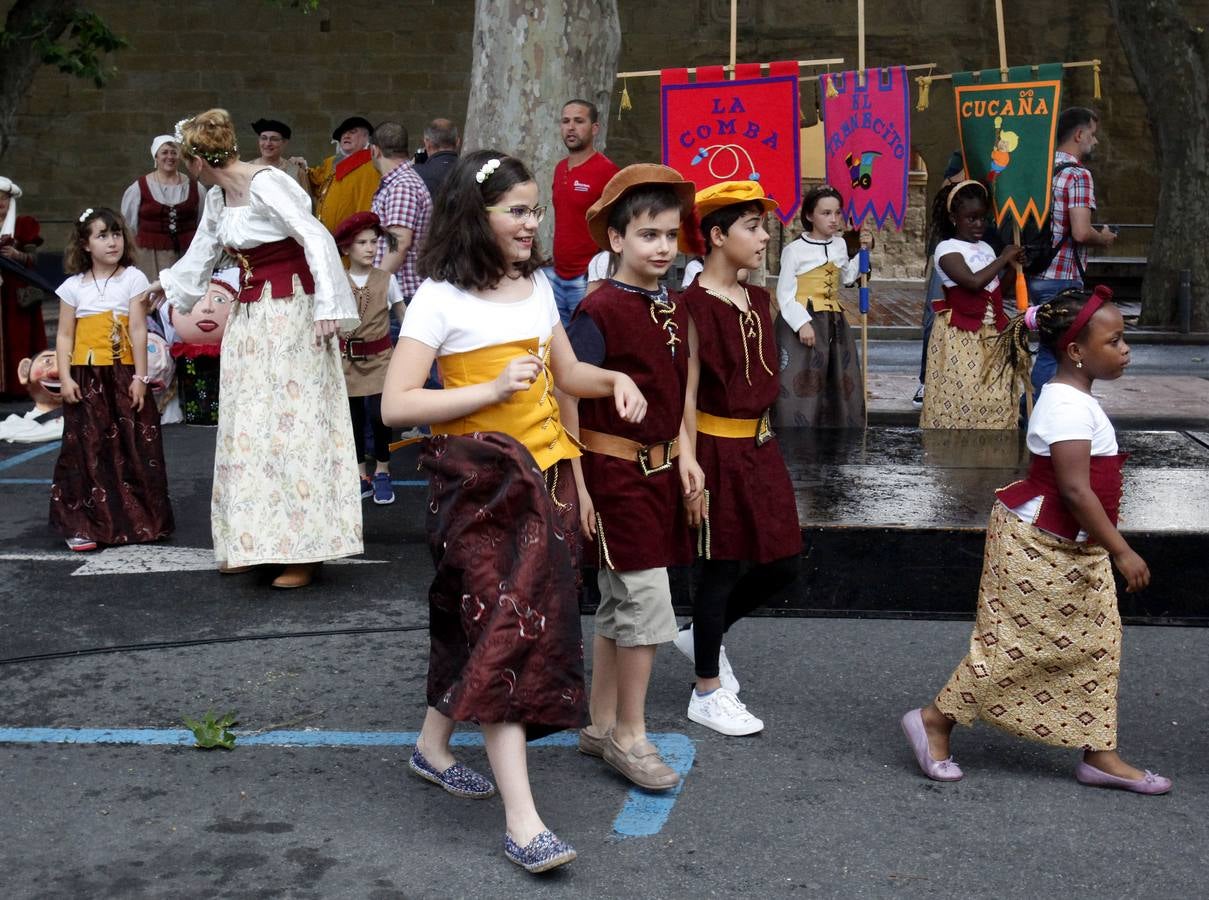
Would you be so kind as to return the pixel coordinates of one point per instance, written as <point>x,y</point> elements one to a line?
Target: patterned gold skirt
<point>1045,652</point>
<point>955,395</point>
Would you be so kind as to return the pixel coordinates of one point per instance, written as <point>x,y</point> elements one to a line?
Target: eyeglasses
<point>521,213</point>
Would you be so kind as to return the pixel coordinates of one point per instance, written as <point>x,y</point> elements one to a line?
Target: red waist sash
<point>969,306</point>
<point>1041,481</point>
<point>274,264</point>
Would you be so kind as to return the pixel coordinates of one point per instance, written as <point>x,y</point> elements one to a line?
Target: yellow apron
<point>102,340</point>
<point>530,416</point>
<point>820,288</point>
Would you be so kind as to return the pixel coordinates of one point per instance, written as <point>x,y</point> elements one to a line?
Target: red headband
<point>1101,295</point>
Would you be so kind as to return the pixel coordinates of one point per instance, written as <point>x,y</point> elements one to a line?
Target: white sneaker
<point>726,674</point>
<point>722,711</point>
<point>684,643</point>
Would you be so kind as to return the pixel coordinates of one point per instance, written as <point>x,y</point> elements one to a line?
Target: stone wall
<point>409,60</point>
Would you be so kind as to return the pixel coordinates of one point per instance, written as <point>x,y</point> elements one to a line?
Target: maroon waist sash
<point>274,264</point>
<point>969,306</point>
<point>1042,481</point>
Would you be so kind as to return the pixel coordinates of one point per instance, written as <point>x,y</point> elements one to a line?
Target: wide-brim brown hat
<point>629,178</point>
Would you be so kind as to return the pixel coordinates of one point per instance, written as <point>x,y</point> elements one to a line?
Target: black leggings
<point>357,407</point>
<point>726,594</point>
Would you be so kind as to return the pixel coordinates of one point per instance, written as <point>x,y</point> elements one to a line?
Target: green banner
<point>1007,136</point>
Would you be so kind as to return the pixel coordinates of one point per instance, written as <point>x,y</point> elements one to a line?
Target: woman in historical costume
<point>162,209</point>
<point>285,471</point>
<point>22,332</point>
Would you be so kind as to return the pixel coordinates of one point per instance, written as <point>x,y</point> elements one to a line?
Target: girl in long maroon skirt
<point>110,485</point>
<point>506,650</point>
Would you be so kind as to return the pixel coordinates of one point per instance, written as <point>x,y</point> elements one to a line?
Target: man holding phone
<point>1074,199</point>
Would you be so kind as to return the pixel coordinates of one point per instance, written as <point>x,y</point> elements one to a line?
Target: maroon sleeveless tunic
<point>753,515</point>
<point>643,519</point>
<point>1107,483</point>
<point>163,226</point>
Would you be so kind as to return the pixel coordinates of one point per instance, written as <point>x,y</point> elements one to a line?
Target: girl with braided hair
<point>962,389</point>
<point>1044,655</point>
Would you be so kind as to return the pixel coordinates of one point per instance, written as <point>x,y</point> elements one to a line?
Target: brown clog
<point>641,764</point>
<point>296,575</point>
<point>233,570</point>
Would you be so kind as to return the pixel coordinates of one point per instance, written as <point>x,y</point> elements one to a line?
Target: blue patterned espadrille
<point>544,852</point>
<point>457,779</point>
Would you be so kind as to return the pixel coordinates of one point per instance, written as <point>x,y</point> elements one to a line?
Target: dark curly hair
<point>76,257</point>
<point>1012,349</point>
<point>942,212</point>
<point>460,247</point>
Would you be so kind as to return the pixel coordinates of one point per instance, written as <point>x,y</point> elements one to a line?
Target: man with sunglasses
<point>579,180</point>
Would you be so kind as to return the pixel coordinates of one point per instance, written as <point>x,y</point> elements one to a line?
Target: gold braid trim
<point>602,546</point>
<point>703,541</point>
<point>746,320</point>
<point>552,487</point>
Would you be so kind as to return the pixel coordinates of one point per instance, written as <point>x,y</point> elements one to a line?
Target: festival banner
<point>868,141</point>
<point>1007,131</point>
<point>747,129</point>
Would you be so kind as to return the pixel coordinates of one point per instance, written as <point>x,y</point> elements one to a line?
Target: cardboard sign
<point>717,130</point>
<point>1007,134</point>
<point>868,142</point>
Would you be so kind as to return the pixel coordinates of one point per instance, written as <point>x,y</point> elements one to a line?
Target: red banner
<point>747,129</point>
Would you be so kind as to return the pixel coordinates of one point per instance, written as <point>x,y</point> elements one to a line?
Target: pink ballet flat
<point>1150,783</point>
<point>917,735</point>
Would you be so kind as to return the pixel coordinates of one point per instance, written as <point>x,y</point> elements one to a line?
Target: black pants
<point>357,407</point>
<point>726,594</point>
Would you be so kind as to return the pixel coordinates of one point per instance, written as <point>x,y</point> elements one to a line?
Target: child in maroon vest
<point>1045,652</point>
<point>630,478</point>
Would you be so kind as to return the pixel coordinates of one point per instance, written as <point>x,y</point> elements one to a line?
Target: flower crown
<point>486,170</point>
<point>213,157</point>
<point>84,215</point>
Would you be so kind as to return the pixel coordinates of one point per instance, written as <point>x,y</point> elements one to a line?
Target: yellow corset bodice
<point>102,340</point>
<point>530,416</point>
<point>820,288</point>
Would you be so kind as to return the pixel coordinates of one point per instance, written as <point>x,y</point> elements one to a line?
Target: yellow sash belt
<point>530,416</point>
<point>102,340</point>
<point>818,289</point>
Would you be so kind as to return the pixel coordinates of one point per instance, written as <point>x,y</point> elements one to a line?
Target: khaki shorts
<point>635,607</point>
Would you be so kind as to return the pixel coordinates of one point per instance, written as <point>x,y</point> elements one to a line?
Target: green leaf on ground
<point>213,732</point>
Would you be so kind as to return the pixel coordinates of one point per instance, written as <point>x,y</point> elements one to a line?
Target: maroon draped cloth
<point>505,640</point>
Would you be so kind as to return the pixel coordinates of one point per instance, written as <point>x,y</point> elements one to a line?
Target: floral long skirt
<point>285,470</point>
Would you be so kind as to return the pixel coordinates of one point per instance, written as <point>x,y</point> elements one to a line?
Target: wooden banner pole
<point>734,35</point>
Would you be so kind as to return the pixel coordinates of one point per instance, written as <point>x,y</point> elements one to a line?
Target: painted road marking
<point>642,815</point>
<point>142,559</point>
<point>28,455</point>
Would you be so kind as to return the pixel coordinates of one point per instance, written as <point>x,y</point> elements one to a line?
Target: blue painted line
<point>412,483</point>
<point>642,815</point>
<point>28,455</point>
<point>26,481</point>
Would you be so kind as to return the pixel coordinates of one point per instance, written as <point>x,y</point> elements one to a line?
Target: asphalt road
<point>827,802</point>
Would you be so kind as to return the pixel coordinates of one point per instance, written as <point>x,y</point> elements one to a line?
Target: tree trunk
<point>28,22</point>
<point>531,57</point>
<point>1168,58</point>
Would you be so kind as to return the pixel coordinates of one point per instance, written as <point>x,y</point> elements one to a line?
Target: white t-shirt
<point>977,256</point>
<point>599,266</point>
<point>394,293</point>
<point>91,298</point>
<point>450,320</point>
<point>694,268</point>
<point>1064,413</point>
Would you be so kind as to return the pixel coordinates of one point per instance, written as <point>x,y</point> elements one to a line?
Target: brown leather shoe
<point>296,575</point>
<point>641,764</point>
<point>233,570</point>
<point>591,744</point>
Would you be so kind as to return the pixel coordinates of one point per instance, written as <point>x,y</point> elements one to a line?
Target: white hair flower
<point>85,214</point>
<point>487,170</point>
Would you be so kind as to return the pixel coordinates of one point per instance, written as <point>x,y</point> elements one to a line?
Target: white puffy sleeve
<point>793,312</point>
<point>130,206</point>
<point>279,197</point>
<point>186,282</point>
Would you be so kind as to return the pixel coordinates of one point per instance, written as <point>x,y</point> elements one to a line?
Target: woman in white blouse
<point>162,209</point>
<point>285,471</point>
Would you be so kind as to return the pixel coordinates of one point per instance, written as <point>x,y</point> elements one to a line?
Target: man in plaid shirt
<point>1074,198</point>
<point>403,205</point>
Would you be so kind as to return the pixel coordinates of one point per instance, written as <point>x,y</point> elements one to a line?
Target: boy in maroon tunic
<point>631,476</point>
<point>747,522</point>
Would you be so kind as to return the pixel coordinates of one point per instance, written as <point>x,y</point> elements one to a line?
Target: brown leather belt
<point>364,349</point>
<point>651,458</point>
